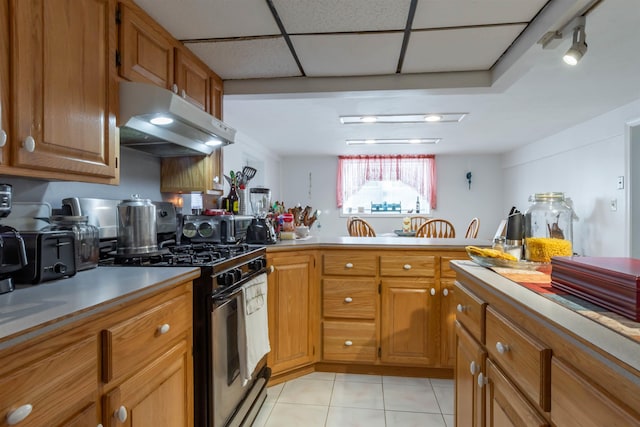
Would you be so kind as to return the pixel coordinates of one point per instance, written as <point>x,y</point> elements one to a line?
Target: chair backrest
<point>436,228</point>
<point>349,220</point>
<point>472,230</point>
<point>361,228</point>
<point>417,221</point>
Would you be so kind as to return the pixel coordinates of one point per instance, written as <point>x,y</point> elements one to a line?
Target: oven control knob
<point>60,268</point>
<point>226,279</point>
<point>258,264</point>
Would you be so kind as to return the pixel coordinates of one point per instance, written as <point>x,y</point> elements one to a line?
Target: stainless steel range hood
<point>192,132</point>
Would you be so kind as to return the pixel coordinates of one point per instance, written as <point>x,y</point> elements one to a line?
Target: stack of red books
<point>612,283</point>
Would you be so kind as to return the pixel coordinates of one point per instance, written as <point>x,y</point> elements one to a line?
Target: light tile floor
<point>324,399</point>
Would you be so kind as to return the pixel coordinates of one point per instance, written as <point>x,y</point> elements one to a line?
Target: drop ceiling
<point>292,67</point>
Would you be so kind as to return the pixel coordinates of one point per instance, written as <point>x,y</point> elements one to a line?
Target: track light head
<point>579,46</point>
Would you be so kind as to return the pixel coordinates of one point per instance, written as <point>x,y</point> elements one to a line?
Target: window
<point>394,184</point>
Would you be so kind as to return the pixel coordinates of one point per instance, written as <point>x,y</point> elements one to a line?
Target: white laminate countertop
<point>388,241</point>
<point>623,348</point>
<point>88,292</point>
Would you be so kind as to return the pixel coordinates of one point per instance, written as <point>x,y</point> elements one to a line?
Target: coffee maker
<point>260,230</point>
<point>10,240</point>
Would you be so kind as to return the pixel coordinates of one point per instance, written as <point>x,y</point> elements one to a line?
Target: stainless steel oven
<point>234,401</point>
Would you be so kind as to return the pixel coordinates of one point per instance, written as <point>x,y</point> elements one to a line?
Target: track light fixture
<point>579,46</point>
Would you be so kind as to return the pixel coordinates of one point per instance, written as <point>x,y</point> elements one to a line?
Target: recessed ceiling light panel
<point>404,118</point>
<point>393,141</point>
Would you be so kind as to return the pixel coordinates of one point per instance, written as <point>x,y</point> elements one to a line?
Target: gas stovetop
<point>196,254</point>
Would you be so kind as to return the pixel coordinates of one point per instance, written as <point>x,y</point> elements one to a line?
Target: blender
<point>261,229</point>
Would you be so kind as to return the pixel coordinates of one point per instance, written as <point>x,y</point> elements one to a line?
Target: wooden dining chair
<point>417,221</point>
<point>472,230</point>
<point>436,228</point>
<point>349,221</point>
<point>361,228</point>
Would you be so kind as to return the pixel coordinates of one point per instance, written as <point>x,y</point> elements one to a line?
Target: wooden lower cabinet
<point>158,395</point>
<point>118,367</point>
<point>470,362</point>
<point>409,324</point>
<point>291,302</point>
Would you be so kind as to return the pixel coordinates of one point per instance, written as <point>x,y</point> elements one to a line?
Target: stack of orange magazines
<point>612,283</point>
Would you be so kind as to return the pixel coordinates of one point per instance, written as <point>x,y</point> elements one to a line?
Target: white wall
<point>584,162</point>
<point>312,181</point>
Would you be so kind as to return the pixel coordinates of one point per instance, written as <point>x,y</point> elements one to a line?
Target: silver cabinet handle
<point>121,414</point>
<point>445,292</point>
<point>163,329</point>
<point>460,308</point>
<point>433,291</point>
<point>3,138</point>
<point>174,88</point>
<point>348,299</point>
<point>502,348</point>
<point>348,343</point>
<point>184,93</point>
<point>348,265</point>
<point>482,380</point>
<point>19,414</point>
<point>473,367</point>
<point>407,266</point>
<point>271,269</point>
<point>29,144</point>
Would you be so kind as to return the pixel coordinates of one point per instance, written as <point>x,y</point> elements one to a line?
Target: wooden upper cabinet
<point>4,80</point>
<point>146,51</point>
<point>216,97</point>
<point>192,79</point>
<point>64,88</point>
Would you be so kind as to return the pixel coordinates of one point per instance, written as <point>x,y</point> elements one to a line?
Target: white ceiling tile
<point>451,13</point>
<point>348,55</point>
<point>246,59</point>
<point>196,19</point>
<point>322,16</point>
<point>458,50</point>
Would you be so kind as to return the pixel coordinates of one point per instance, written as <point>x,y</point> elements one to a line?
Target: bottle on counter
<point>232,201</point>
<point>418,204</point>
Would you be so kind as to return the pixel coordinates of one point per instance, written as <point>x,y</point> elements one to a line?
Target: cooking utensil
<point>248,172</point>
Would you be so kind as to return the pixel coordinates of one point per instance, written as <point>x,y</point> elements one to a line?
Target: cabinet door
<point>216,87</point>
<point>192,78</point>
<point>290,311</point>
<point>146,52</point>
<point>160,395</point>
<point>505,405</point>
<point>193,173</point>
<point>4,81</point>
<point>409,322</point>
<point>65,89</point>
<point>470,359</point>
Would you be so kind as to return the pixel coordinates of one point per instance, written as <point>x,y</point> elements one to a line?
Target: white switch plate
<point>614,204</point>
<point>620,182</point>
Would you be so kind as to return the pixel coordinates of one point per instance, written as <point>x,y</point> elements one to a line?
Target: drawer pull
<point>445,292</point>
<point>348,299</point>
<point>407,266</point>
<point>349,265</point>
<point>502,348</point>
<point>461,308</point>
<point>482,380</point>
<point>164,329</point>
<point>29,144</point>
<point>348,343</point>
<point>473,367</point>
<point>121,414</point>
<point>19,414</point>
<point>433,292</point>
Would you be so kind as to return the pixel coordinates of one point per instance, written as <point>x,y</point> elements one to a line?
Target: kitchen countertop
<point>33,309</point>
<point>389,242</point>
<point>619,346</point>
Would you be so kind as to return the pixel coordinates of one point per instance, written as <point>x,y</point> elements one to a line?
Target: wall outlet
<point>613,204</point>
<point>620,182</point>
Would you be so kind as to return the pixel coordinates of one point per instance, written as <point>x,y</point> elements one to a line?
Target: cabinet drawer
<point>575,401</point>
<point>407,265</point>
<point>128,344</point>
<point>445,268</point>
<point>349,341</point>
<point>57,387</point>
<point>470,311</point>
<point>350,263</point>
<point>351,298</point>
<point>526,360</point>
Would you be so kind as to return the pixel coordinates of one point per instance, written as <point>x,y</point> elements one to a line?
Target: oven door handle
<point>223,297</point>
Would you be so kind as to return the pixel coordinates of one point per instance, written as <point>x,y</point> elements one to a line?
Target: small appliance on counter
<point>261,230</point>
<point>13,256</point>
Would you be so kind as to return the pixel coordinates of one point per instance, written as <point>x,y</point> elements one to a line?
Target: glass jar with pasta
<point>548,227</point>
